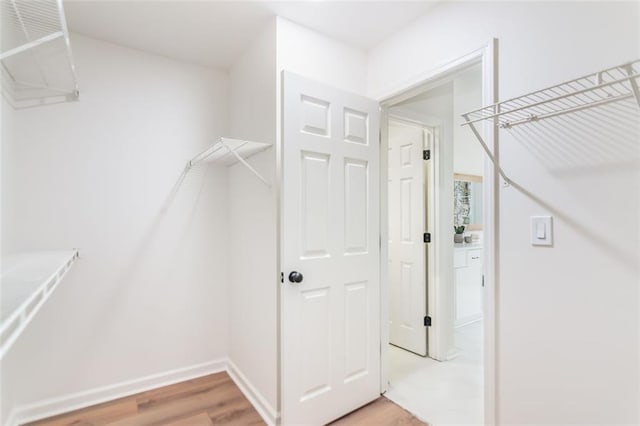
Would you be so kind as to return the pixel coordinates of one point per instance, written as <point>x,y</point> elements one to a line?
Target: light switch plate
<point>541,230</point>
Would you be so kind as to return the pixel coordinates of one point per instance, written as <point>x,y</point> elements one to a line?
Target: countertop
<point>465,246</point>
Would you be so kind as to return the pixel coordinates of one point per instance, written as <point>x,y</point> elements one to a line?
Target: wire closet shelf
<point>600,88</point>
<point>27,280</point>
<point>35,51</point>
<point>616,84</point>
<point>227,151</point>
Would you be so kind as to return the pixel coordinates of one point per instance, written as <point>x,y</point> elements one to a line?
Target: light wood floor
<point>381,412</point>
<point>206,401</point>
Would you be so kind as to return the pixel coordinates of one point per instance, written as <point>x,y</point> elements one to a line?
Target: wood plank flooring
<point>206,401</point>
<point>381,412</point>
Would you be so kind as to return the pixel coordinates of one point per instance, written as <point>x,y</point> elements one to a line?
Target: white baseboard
<point>54,406</point>
<point>468,320</point>
<point>266,411</point>
<point>64,404</point>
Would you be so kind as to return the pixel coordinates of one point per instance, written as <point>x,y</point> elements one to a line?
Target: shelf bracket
<point>244,162</point>
<point>31,45</point>
<point>632,81</point>
<point>485,147</point>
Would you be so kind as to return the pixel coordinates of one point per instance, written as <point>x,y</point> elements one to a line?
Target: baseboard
<point>468,320</point>
<point>11,420</point>
<point>452,354</point>
<point>266,411</point>
<point>54,406</point>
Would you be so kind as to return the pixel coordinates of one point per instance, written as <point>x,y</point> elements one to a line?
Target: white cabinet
<point>467,263</point>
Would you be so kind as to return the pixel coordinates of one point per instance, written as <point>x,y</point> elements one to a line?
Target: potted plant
<point>458,237</point>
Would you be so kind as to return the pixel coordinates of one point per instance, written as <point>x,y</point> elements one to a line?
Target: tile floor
<point>441,393</point>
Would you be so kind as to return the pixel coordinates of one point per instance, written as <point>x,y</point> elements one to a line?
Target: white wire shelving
<point>616,84</point>
<point>26,282</point>
<point>37,62</point>
<point>227,151</point>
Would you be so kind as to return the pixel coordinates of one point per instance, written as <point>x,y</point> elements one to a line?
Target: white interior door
<point>407,250</point>
<point>331,237</point>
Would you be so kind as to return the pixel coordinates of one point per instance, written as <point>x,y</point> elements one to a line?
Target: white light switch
<point>541,231</point>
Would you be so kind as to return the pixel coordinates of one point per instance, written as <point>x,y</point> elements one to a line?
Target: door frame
<point>487,55</point>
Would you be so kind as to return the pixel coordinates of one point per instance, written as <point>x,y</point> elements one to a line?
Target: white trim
<point>431,78</point>
<point>433,251</point>
<point>385,288</point>
<point>468,321</point>
<point>54,406</point>
<point>12,418</point>
<point>491,237</point>
<point>266,411</point>
<point>488,56</point>
<point>65,404</point>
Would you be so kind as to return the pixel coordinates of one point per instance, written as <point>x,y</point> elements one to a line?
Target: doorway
<point>438,308</point>
<point>334,341</point>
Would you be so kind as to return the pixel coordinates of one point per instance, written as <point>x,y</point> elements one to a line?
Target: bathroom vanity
<point>467,263</point>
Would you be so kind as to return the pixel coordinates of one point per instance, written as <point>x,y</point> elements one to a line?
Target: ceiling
<point>215,33</point>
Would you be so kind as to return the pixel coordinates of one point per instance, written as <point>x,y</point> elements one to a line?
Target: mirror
<point>467,201</point>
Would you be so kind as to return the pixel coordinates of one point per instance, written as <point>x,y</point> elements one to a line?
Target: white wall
<point>568,315</point>
<point>148,293</point>
<point>253,279</point>
<point>253,209</point>
<point>468,156</point>
<point>118,153</point>
<point>7,170</point>
<point>318,57</point>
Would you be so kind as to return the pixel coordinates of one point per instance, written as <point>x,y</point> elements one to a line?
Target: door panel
<point>314,204</point>
<point>330,234</point>
<point>407,252</point>
<point>355,206</point>
<point>315,342</point>
<point>356,337</point>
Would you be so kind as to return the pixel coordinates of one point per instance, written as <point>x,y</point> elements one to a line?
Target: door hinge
<point>427,237</point>
<point>426,154</point>
<point>483,281</point>
<point>427,321</point>
<point>281,277</point>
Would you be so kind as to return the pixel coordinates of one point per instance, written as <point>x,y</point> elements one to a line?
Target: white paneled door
<point>407,249</point>
<point>331,252</point>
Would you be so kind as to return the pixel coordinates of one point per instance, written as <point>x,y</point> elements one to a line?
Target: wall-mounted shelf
<point>37,63</point>
<point>27,281</point>
<point>227,151</point>
<point>616,84</point>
